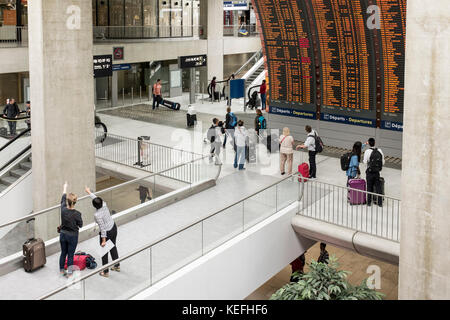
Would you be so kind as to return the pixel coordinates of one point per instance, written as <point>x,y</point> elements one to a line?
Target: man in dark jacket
<point>230,125</point>
<point>324,256</point>
<point>11,110</point>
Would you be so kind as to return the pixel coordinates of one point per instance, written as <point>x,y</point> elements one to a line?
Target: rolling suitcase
<point>171,105</point>
<point>216,96</point>
<point>356,197</point>
<point>303,170</point>
<point>191,119</point>
<point>33,254</point>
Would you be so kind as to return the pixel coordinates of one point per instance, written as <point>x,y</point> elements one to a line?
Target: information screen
<point>289,54</point>
<point>340,57</point>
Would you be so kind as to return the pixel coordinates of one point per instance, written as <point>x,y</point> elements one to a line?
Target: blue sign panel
<point>348,120</point>
<point>237,88</point>
<point>118,67</point>
<point>390,125</point>
<point>292,112</point>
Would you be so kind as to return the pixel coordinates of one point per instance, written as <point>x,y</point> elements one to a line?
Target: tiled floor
<point>348,261</point>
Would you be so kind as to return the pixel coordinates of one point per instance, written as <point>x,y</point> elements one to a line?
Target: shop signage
<point>119,67</point>
<point>102,66</point>
<point>192,61</point>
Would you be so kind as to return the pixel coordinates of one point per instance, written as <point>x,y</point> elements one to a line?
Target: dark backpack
<point>262,122</point>
<point>375,162</point>
<point>345,161</point>
<point>211,135</point>
<point>233,121</point>
<point>318,143</point>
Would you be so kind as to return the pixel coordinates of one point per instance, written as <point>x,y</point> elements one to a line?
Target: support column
<point>192,86</point>
<point>61,75</point>
<point>211,17</point>
<point>425,223</point>
<point>114,89</point>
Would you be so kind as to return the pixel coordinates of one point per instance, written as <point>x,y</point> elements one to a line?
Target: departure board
<point>288,53</point>
<point>326,53</point>
<point>346,61</point>
<point>393,17</point>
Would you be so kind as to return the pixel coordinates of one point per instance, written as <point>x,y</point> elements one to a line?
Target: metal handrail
<point>102,191</point>
<point>249,60</point>
<point>17,156</point>
<point>14,140</point>
<point>109,265</point>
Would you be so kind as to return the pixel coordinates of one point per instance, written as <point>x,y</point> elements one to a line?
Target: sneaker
<point>283,173</point>
<point>104,274</point>
<point>117,269</point>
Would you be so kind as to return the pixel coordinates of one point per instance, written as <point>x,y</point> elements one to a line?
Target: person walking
<point>286,151</point>
<point>71,222</point>
<point>108,230</point>
<point>213,88</point>
<point>353,168</point>
<point>230,124</point>
<point>240,138</point>
<point>144,194</point>
<point>232,77</point>
<point>260,122</point>
<point>262,92</point>
<point>310,144</point>
<point>157,96</point>
<point>297,266</point>
<point>374,159</point>
<point>214,136</point>
<point>324,256</point>
<point>11,111</point>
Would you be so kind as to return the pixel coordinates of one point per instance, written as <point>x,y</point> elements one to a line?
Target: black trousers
<point>312,164</point>
<point>111,235</point>
<point>156,101</point>
<point>373,185</point>
<point>12,127</point>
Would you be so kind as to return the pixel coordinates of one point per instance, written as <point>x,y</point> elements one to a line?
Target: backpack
<point>375,162</point>
<point>345,161</point>
<point>233,121</point>
<point>211,135</point>
<point>318,143</point>
<point>262,122</point>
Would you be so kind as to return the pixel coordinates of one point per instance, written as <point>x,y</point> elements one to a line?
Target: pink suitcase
<point>354,196</point>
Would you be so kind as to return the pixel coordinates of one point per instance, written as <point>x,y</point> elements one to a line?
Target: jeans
<point>312,164</point>
<point>373,185</point>
<point>239,158</point>
<point>68,245</point>
<point>156,100</point>
<point>111,235</point>
<point>263,101</point>
<point>12,127</point>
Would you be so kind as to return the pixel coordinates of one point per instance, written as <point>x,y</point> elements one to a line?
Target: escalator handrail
<point>15,119</point>
<point>17,156</point>
<point>15,139</point>
<point>250,89</point>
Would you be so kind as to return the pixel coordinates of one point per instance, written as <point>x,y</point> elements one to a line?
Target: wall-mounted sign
<point>119,67</point>
<point>235,5</point>
<point>192,61</point>
<point>102,66</point>
<point>118,53</point>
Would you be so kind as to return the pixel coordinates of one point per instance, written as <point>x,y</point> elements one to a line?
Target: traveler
<point>11,111</point>
<point>260,121</point>
<point>28,111</point>
<point>324,256</point>
<point>157,97</point>
<point>310,144</point>
<point>108,230</point>
<point>240,138</point>
<point>374,159</point>
<point>144,193</point>
<point>213,88</point>
<point>262,92</point>
<point>230,124</point>
<point>214,134</point>
<point>71,221</point>
<point>286,151</point>
<point>232,77</point>
<point>353,167</point>
<point>297,266</point>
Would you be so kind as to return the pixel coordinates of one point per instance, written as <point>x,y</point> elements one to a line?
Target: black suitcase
<point>191,119</point>
<point>216,95</point>
<point>171,105</point>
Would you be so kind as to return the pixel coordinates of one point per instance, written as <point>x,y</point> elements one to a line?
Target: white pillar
<point>61,73</point>
<point>114,89</point>
<point>425,223</point>
<point>211,16</point>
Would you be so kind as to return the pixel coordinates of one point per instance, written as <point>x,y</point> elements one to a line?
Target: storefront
<point>13,20</point>
<point>238,15</point>
<point>136,19</point>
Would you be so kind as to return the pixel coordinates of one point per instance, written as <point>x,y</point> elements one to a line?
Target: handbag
<point>58,229</point>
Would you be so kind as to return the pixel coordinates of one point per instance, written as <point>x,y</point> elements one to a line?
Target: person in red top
<point>157,98</point>
<point>297,266</point>
<point>262,92</point>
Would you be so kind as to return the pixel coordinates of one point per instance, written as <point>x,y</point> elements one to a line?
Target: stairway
<point>14,174</point>
<point>255,75</point>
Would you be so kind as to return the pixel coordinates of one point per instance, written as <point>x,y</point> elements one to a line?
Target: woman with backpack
<point>260,121</point>
<point>286,151</point>
<point>353,168</point>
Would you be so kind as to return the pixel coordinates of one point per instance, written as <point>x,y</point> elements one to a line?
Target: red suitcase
<point>303,169</point>
<point>354,196</point>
